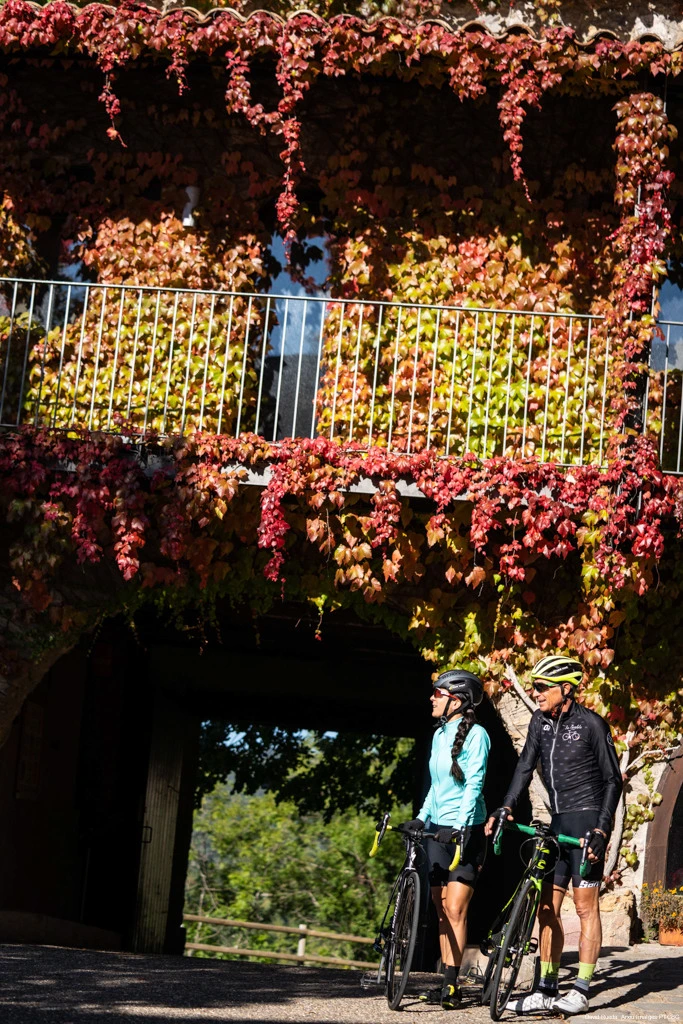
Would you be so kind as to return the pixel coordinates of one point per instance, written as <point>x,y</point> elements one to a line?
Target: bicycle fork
<point>384,930</point>
<point>536,878</point>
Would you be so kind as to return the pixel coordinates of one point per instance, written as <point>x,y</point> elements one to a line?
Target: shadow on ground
<point>620,981</point>
<point>51,985</point>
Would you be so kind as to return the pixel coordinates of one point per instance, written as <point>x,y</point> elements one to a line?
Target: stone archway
<point>117,784</point>
<point>664,849</point>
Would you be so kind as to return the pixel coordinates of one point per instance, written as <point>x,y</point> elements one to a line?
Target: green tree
<point>256,859</point>
<point>317,771</point>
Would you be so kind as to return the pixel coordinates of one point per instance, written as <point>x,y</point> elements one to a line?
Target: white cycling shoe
<point>573,1002</point>
<point>533,1003</point>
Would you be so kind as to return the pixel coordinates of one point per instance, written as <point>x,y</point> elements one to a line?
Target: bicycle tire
<point>487,983</point>
<point>517,931</point>
<point>401,947</point>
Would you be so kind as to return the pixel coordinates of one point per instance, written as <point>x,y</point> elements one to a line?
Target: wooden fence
<point>303,932</point>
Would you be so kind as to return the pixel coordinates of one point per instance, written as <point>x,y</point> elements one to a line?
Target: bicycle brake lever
<point>498,834</point>
<point>456,857</point>
<point>585,866</point>
<point>379,835</point>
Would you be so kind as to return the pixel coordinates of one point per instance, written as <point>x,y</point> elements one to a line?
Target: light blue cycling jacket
<point>457,803</point>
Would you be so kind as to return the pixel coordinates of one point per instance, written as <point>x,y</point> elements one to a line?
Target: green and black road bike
<point>510,938</point>
<point>397,934</point>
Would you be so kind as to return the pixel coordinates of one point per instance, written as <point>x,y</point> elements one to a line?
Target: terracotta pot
<point>670,936</point>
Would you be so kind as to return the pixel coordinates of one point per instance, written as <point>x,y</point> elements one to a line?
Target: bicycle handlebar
<point>415,834</point>
<point>512,826</point>
<point>530,831</point>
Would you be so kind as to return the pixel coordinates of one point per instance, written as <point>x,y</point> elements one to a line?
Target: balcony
<point>145,361</point>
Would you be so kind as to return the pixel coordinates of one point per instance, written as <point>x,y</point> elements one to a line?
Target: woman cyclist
<point>455,809</point>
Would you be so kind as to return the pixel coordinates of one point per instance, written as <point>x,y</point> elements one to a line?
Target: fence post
<point>301,948</point>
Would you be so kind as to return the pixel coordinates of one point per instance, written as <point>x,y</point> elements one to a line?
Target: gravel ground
<point>51,985</point>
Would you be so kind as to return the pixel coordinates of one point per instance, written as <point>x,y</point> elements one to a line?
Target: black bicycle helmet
<point>463,684</point>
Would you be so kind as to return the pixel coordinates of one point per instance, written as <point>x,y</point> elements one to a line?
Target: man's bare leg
<point>551,941</point>
<point>590,940</point>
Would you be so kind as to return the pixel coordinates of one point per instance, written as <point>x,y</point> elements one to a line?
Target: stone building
<point>394,273</point>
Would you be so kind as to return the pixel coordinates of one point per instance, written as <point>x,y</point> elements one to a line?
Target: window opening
<point>297,290</point>
<point>669,347</point>
<point>664,408</point>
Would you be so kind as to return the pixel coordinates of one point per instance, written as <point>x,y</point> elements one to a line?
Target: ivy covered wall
<point>450,167</point>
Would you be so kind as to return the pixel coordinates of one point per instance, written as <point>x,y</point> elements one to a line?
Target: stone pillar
<point>159,827</point>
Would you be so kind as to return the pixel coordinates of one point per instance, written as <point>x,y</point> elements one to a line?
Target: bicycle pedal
<point>533,945</point>
<point>370,980</point>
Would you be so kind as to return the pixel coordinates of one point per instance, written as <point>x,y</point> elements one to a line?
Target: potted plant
<point>662,909</point>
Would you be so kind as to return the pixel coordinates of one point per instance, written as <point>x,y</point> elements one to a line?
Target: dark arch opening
<point>664,847</point>
<point>674,852</point>
<point>115,724</point>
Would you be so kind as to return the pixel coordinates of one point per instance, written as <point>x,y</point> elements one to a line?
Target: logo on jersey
<point>570,737</point>
<point>546,728</point>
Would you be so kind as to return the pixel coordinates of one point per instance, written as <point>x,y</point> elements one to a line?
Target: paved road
<point>50,985</point>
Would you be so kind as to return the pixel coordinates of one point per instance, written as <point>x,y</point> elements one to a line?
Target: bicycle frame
<point>395,942</point>
<point>412,845</point>
<point>504,947</point>
<point>538,862</point>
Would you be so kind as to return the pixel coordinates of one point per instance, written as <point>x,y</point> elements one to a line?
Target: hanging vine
<point>515,555</point>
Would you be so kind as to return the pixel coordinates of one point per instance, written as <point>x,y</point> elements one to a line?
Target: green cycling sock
<point>549,976</point>
<point>584,977</point>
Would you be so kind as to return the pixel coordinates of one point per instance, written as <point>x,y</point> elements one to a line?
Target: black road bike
<point>397,934</point>
<point>510,939</point>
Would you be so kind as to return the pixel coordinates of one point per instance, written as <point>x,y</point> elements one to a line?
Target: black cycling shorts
<point>440,856</point>
<point>567,865</point>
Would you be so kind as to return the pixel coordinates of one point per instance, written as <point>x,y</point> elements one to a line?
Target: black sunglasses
<point>542,687</point>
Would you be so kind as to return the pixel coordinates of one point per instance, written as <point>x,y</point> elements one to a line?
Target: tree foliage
<point>317,772</point>
<point>257,859</point>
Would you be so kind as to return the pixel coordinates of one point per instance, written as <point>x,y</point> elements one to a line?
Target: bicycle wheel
<point>401,945</point>
<point>516,935</point>
<point>489,973</point>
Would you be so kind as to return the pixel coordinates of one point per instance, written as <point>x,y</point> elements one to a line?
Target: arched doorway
<point>97,781</point>
<point>664,848</point>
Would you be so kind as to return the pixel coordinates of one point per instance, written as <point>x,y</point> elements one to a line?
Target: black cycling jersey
<point>578,763</point>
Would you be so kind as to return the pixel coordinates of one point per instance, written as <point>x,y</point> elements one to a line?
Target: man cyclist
<point>581,773</point>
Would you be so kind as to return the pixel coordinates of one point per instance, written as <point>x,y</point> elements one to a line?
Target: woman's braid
<point>466,722</point>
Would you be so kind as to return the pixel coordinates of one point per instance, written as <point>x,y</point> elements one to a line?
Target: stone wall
<point>619,919</point>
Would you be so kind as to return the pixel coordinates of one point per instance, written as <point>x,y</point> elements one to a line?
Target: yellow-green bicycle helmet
<point>556,668</point>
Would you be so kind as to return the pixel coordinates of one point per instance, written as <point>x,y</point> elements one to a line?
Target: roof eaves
<point>513,27</point>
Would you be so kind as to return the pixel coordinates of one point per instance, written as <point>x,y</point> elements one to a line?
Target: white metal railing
<point>663,414</point>
<point>144,361</point>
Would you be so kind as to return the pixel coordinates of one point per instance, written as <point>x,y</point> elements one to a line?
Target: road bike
<point>396,939</point>
<point>510,939</point>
